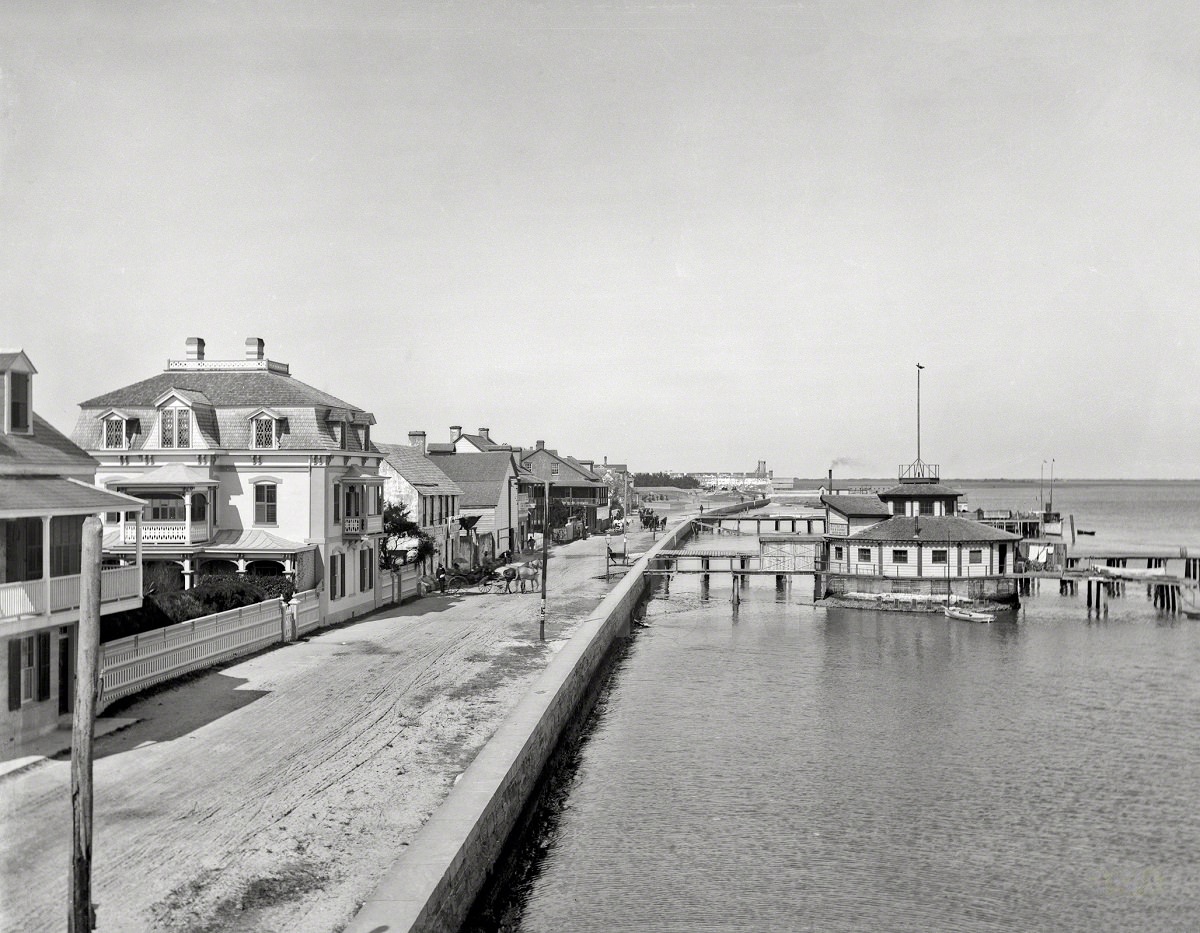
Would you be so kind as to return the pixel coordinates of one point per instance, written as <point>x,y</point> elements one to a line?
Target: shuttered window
<point>265,504</point>
<point>19,405</point>
<point>366,560</point>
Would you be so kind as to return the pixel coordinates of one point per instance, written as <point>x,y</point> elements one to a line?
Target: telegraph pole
<point>545,559</point>
<point>82,917</point>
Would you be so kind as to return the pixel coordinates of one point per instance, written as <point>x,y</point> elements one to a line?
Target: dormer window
<point>175,428</point>
<point>264,432</point>
<point>117,430</point>
<point>20,419</point>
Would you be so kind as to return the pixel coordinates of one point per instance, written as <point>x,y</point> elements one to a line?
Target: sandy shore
<point>272,794</point>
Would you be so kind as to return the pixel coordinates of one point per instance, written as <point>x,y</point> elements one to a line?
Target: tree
<point>397,528</point>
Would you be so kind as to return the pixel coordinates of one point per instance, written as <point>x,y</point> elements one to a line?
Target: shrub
<point>223,591</point>
<point>180,606</point>
<point>275,585</point>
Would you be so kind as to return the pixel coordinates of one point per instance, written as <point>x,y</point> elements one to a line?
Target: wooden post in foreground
<point>545,563</point>
<point>87,682</point>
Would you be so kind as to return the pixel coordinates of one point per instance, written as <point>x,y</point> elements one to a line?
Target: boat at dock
<point>968,615</point>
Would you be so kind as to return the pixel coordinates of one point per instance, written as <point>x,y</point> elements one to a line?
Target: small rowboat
<point>1192,613</point>
<point>968,615</point>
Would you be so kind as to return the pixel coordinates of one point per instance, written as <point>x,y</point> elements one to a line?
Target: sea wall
<point>434,883</point>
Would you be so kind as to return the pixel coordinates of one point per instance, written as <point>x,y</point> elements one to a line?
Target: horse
<point>527,573</point>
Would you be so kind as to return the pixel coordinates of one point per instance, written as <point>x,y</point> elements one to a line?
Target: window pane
<point>167,429</point>
<point>899,557</point>
<point>939,557</point>
<point>864,554</point>
<point>264,432</point>
<point>264,504</point>
<point>19,410</point>
<point>114,434</point>
<point>183,434</point>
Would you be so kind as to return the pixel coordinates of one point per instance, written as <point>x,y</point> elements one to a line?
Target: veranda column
<point>187,515</point>
<point>46,562</point>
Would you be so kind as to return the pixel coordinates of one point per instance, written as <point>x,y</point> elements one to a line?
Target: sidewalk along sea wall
<point>434,883</point>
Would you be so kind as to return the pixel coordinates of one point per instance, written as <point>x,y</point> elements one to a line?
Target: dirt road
<point>271,794</point>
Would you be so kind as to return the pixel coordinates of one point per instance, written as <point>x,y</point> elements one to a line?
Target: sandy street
<point>271,794</point>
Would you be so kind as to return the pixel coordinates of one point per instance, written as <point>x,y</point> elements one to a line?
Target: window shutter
<point>14,673</point>
<point>342,574</point>
<point>43,665</point>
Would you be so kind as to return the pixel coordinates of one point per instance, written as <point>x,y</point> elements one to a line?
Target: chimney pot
<point>541,445</point>
<point>254,348</point>
<point>455,432</point>
<point>195,348</point>
<point>417,439</point>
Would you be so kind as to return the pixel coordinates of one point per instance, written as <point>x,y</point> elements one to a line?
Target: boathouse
<point>909,539</point>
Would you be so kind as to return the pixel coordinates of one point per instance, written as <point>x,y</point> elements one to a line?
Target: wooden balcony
<point>29,598</point>
<point>362,524</point>
<point>167,533</point>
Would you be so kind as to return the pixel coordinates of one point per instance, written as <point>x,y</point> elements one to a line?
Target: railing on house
<point>167,533</point>
<point>362,524</point>
<point>140,661</point>
<point>29,597</point>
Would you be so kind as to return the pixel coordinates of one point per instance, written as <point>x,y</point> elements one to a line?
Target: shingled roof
<point>919,491</point>
<point>223,402</point>
<point>418,469</point>
<point>43,451</point>
<point>481,476</point>
<point>857,506</point>
<point>932,529</point>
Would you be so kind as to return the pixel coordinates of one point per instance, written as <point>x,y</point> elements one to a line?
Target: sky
<point>684,236</point>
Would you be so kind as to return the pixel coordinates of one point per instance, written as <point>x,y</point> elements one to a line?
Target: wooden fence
<point>132,664</point>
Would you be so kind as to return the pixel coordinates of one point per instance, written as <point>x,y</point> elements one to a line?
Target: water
<point>797,768</point>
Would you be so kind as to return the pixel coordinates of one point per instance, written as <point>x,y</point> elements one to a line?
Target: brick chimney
<point>195,348</point>
<point>483,432</point>
<point>541,445</point>
<point>455,432</point>
<point>417,439</point>
<point>254,348</point>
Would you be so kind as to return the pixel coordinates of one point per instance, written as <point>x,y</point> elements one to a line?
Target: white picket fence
<point>132,664</point>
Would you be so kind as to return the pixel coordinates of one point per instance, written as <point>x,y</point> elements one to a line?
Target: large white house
<point>243,469</point>
<point>46,492</point>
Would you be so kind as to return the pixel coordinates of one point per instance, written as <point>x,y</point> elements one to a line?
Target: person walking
<point>441,577</point>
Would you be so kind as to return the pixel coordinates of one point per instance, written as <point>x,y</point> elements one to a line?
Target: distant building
<point>243,469</point>
<point>46,492</point>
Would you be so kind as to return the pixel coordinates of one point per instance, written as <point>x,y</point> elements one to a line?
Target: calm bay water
<point>798,768</point>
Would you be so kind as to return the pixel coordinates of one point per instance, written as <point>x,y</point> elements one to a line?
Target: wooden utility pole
<point>545,561</point>
<point>82,917</point>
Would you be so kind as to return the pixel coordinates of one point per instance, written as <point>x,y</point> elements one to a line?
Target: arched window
<point>199,507</point>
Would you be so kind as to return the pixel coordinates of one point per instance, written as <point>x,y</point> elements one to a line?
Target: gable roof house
<point>490,484</point>
<point>431,498</point>
<point>46,492</point>
<point>243,469</point>
<point>573,484</point>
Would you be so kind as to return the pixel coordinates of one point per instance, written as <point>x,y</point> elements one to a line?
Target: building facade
<point>491,508</point>
<point>46,492</point>
<point>243,469</point>
<point>572,485</point>
<point>429,496</point>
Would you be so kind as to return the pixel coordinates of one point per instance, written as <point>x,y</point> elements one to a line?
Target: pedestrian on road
<point>441,577</point>
<point>531,542</point>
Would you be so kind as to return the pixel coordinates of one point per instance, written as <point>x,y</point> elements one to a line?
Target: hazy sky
<point>682,235</point>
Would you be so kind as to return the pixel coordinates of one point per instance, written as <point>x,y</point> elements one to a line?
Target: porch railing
<point>167,533</point>
<point>29,596</point>
<point>362,524</point>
